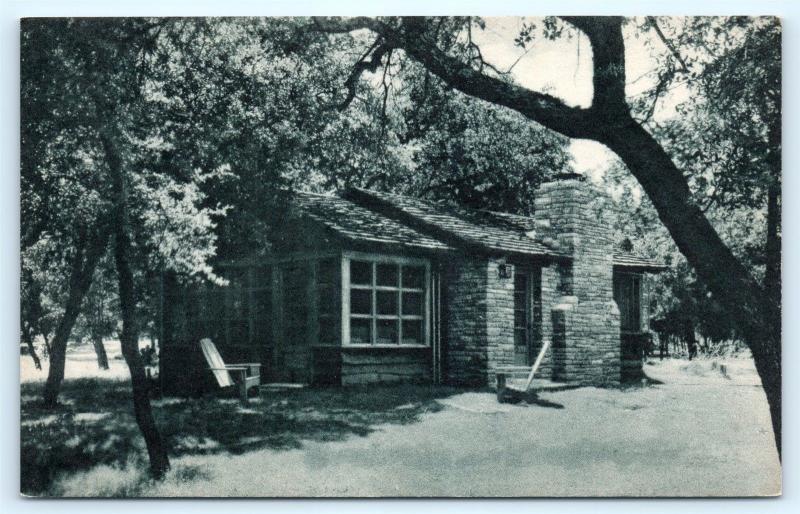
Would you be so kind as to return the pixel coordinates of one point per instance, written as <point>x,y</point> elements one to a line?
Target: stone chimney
<point>576,218</point>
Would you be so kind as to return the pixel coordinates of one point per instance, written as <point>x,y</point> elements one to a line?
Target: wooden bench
<point>248,374</point>
<point>508,391</point>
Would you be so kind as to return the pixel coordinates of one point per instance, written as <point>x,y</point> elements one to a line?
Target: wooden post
<point>243,387</point>
<point>501,386</point>
<point>345,299</point>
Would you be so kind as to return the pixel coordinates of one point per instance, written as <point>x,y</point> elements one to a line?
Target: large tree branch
<point>377,50</point>
<point>608,78</point>
<point>410,35</point>
<point>608,121</point>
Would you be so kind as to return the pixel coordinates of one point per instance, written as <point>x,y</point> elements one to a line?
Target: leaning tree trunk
<point>100,351</point>
<point>772,286</point>
<point>772,276</point>
<point>748,303</point>
<point>129,338</point>
<point>88,251</point>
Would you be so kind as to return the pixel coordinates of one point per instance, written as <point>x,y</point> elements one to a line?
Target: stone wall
<point>466,353</point>
<point>576,218</point>
<point>500,318</point>
<point>579,316</point>
<point>480,320</point>
<point>553,288</point>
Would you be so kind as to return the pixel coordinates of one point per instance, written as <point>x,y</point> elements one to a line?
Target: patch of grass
<point>93,435</point>
<point>54,442</point>
<point>104,481</point>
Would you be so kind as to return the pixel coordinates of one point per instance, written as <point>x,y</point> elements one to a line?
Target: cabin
<point>370,287</point>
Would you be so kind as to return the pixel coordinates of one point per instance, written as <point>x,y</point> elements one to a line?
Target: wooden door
<point>522,318</point>
<point>527,315</point>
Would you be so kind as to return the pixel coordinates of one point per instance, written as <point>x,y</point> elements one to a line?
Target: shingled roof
<point>356,223</point>
<point>636,263</point>
<point>497,232</point>
<point>385,218</point>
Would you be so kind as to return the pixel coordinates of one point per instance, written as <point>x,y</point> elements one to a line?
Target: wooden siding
<point>287,314</point>
<point>397,364</point>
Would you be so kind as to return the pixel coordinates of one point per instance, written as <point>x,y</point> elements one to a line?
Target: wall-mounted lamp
<point>504,270</point>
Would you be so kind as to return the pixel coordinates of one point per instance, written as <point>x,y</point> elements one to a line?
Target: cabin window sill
<point>385,346</point>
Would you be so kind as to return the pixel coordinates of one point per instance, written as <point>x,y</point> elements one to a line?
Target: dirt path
<point>696,434</point>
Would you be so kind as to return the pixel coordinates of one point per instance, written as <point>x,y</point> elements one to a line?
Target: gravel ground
<point>699,432</point>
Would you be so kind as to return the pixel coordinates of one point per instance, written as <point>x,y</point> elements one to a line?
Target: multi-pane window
<point>387,302</point>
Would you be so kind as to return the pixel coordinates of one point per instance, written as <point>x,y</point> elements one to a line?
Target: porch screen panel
<point>328,301</point>
<point>212,310</point>
<point>237,315</point>
<point>295,303</point>
<point>260,299</point>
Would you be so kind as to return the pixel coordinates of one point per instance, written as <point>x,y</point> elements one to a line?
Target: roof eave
<point>643,268</point>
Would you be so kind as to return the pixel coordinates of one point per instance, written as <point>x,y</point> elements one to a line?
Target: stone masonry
<point>579,315</point>
<point>480,321</point>
<point>583,317</point>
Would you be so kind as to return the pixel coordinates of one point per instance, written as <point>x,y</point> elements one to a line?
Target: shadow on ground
<point>639,380</point>
<point>94,424</point>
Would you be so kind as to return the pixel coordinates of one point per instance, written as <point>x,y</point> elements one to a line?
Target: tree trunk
<point>729,282</point>
<point>772,277</point>
<point>100,351</point>
<point>88,251</point>
<point>691,339</point>
<point>26,336</point>
<point>772,285</point>
<point>46,345</point>
<point>129,338</point>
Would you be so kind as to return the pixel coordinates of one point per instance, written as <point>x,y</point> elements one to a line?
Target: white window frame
<point>375,259</point>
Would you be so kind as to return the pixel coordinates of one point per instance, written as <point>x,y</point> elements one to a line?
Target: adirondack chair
<point>248,374</point>
<point>509,392</point>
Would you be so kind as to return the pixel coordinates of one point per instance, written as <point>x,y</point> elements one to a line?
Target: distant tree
<point>476,154</point>
<point>30,312</point>
<point>98,319</point>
